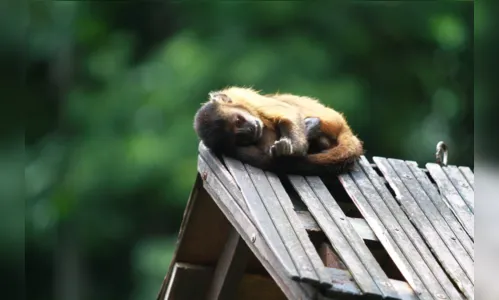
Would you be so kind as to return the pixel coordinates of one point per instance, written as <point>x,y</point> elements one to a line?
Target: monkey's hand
<point>282,147</point>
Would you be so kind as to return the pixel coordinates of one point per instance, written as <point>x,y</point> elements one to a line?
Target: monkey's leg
<point>313,128</point>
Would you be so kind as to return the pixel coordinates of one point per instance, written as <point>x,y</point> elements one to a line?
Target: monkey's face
<point>246,128</point>
<point>222,124</point>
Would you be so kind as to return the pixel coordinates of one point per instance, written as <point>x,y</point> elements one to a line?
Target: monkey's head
<point>221,124</point>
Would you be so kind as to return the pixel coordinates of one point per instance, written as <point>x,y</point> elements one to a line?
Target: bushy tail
<point>332,161</point>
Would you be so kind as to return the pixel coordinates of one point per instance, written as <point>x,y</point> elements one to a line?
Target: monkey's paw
<point>281,147</point>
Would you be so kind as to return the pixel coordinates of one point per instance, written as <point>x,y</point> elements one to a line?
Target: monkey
<point>275,132</point>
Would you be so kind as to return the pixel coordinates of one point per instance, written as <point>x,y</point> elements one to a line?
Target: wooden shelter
<point>388,229</point>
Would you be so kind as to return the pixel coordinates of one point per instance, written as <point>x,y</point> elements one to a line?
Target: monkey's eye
<point>240,120</point>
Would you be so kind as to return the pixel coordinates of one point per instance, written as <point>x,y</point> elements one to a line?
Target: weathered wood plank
<point>462,186</point>
<point>335,236</point>
<point>269,203</point>
<point>224,175</point>
<point>403,289</point>
<point>298,228</point>
<point>188,275</point>
<point>230,268</point>
<point>411,242</point>
<point>181,281</point>
<point>425,216</point>
<point>360,225</point>
<point>259,214</point>
<point>468,174</point>
<point>385,231</point>
<point>251,235</point>
<point>442,207</point>
<point>355,241</point>
<point>453,199</point>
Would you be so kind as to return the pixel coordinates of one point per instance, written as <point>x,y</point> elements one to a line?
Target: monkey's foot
<point>281,147</point>
<point>313,128</point>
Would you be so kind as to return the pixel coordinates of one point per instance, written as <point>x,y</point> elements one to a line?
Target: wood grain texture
<point>468,174</point>
<point>223,174</point>
<point>355,241</point>
<point>461,184</point>
<point>417,253</point>
<point>426,218</point>
<point>360,225</point>
<point>251,235</point>
<point>452,198</point>
<point>442,207</point>
<point>260,215</point>
<point>335,236</point>
<point>297,226</point>
<point>383,232</point>
<point>272,206</point>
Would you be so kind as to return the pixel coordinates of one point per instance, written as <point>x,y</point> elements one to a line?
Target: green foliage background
<point>113,87</point>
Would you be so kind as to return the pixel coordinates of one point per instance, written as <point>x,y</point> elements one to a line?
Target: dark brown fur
<point>283,145</point>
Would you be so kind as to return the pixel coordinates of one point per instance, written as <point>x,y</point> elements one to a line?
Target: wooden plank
<point>230,268</point>
<point>225,176</point>
<point>335,236</point>
<point>355,241</point>
<point>410,241</point>
<point>425,216</point>
<point>260,215</point>
<point>384,231</point>
<point>453,199</point>
<point>294,224</point>
<point>461,184</point>
<point>185,221</point>
<point>442,207</point>
<point>403,289</point>
<point>189,275</point>
<point>270,203</point>
<point>468,174</point>
<point>390,234</point>
<point>360,225</point>
<point>253,238</point>
<point>183,278</point>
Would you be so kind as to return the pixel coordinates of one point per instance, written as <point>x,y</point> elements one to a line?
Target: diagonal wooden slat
<point>461,184</point>
<point>425,216</point>
<point>260,215</point>
<point>207,157</point>
<point>281,222</point>
<point>384,236</point>
<point>326,280</point>
<point>355,241</point>
<point>442,207</point>
<point>453,199</point>
<point>216,165</point>
<point>353,238</point>
<point>468,174</point>
<point>382,232</point>
<point>252,236</point>
<point>423,261</point>
<point>335,236</point>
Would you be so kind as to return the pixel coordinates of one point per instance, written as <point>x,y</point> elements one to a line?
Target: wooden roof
<point>385,230</point>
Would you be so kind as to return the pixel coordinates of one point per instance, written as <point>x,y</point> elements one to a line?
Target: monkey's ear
<point>219,97</point>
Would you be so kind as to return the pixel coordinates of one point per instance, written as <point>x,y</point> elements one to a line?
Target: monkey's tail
<point>332,161</point>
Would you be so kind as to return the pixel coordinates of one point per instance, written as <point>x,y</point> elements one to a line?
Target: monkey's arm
<point>291,125</point>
